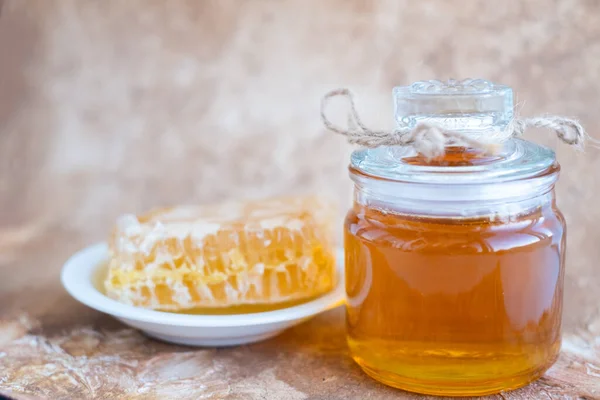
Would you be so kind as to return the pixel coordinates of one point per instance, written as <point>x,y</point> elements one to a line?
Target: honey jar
<point>455,264</point>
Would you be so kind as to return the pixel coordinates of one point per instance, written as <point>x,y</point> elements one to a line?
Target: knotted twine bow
<point>431,140</point>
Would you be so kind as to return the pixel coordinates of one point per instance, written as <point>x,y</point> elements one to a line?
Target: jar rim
<point>457,199</point>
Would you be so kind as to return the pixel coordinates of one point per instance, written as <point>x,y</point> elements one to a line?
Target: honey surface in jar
<point>454,305</point>
<point>231,258</point>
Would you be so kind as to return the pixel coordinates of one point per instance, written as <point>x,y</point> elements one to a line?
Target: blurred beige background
<point>118,106</point>
<point>114,106</point>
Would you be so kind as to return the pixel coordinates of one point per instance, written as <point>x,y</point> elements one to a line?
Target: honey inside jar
<point>452,301</point>
<point>454,305</point>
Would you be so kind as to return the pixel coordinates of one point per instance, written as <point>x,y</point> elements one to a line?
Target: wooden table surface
<point>52,347</point>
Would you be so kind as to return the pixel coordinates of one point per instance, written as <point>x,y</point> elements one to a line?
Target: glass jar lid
<point>518,159</point>
<point>477,108</point>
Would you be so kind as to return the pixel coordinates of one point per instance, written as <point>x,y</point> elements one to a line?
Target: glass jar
<point>454,265</point>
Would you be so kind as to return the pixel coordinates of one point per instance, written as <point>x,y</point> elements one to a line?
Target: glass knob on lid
<point>475,107</point>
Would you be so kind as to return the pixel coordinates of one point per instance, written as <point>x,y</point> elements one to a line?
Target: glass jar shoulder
<point>543,226</point>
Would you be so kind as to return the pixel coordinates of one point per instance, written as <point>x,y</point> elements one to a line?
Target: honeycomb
<point>233,255</point>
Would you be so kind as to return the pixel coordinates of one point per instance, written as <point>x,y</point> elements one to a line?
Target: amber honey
<point>454,305</point>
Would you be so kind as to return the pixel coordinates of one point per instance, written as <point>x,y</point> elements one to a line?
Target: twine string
<point>430,139</point>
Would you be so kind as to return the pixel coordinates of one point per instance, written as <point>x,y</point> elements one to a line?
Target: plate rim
<point>77,279</point>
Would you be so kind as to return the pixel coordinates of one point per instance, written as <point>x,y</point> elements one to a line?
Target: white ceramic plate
<point>81,270</point>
